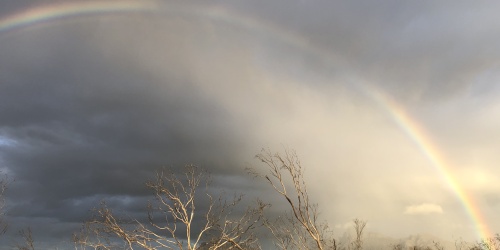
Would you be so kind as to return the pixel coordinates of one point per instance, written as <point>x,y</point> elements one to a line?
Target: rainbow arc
<point>432,153</point>
<point>60,11</point>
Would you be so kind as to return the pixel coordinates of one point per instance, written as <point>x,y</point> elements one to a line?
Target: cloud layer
<point>91,106</point>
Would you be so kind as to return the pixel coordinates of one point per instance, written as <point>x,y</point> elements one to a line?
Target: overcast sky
<point>91,105</point>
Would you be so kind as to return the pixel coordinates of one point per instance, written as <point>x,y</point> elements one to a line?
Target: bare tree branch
<point>28,243</point>
<point>359,226</point>
<point>3,188</point>
<point>176,201</point>
<point>300,228</point>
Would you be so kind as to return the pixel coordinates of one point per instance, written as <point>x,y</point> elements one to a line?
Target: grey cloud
<point>85,126</point>
<point>415,50</point>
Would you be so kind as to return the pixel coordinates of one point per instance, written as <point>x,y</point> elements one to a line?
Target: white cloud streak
<point>424,208</point>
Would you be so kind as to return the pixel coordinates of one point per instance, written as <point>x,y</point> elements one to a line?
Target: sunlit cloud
<point>424,208</point>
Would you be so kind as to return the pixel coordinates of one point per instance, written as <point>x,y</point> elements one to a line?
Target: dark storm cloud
<point>84,127</point>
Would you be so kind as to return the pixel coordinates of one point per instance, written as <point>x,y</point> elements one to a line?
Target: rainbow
<point>42,14</point>
<point>431,152</point>
<point>48,13</point>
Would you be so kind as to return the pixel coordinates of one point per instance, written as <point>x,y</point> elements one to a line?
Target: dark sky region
<point>92,104</point>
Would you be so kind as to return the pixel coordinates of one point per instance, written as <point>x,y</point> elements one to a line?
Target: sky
<point>393,107</point>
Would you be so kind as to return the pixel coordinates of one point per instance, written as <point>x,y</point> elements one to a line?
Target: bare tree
<point>398,246</point>
<point>3,187</point>
<point>300,229</point>
<point>237,232</point>
<point>359,226</point>
<point>176,201</point>
<point>492,243</point>
<point>28,243</point>
<point>437,245</point>
<point>100,231</point>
